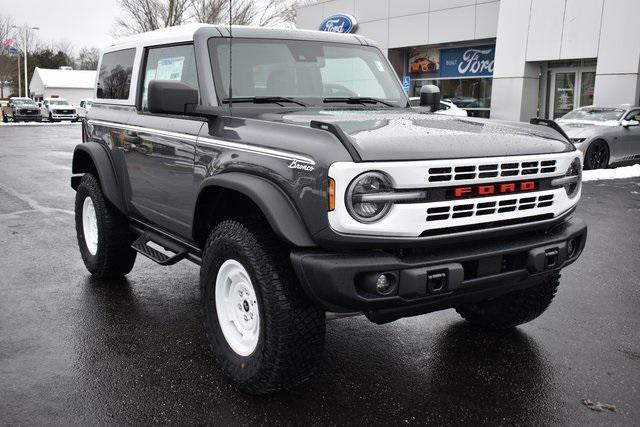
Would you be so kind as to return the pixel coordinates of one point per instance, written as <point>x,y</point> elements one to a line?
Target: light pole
<point>24,52</point>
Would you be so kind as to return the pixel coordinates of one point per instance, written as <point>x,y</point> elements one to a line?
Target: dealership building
<point>507,59</point>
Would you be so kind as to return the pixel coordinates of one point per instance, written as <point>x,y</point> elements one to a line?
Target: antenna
<point>230,60</point>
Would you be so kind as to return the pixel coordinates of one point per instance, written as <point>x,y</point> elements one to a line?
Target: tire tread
<point>294,338</point>
<point>115,257</point>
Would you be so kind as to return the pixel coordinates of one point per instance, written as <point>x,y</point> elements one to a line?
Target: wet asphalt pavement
<point>78,351</point>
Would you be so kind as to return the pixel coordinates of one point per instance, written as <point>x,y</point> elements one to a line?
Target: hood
<point>582,129</point>
<point>407,134</point>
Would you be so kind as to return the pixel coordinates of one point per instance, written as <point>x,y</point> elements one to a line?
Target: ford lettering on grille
<point>492,189</point>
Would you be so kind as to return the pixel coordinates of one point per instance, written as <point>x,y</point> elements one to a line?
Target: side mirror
<point>430,97</point>
<point>171,97</point>
<point>628,123</point>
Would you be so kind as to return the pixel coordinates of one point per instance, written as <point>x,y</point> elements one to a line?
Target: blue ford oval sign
<point>339,23</point>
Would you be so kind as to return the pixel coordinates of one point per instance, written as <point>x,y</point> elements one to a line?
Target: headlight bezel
<point>574,169</point>
<point>349,195</point>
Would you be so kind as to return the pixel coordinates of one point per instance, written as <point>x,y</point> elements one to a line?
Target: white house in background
<point>72,85</point>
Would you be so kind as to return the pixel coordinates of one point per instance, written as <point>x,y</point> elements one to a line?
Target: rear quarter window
<point>114,78</point>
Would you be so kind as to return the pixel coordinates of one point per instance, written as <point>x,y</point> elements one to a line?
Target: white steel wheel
<point>90,225</point>
<point>237,308</point>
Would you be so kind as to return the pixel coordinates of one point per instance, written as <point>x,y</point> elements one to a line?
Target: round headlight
<point>363,208</point>
<point>575,169</point>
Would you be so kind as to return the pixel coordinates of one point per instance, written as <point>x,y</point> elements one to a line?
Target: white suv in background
<point>58,109</point>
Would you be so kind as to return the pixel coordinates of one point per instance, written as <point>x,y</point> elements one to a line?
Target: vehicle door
<point>160,160</point>
<point>630,136</point>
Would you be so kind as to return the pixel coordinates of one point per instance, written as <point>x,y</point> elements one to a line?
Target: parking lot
<point>78,351</point>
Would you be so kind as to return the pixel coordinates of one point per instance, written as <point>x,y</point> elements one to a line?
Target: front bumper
<point>27,118</point>
<point>467,273</point>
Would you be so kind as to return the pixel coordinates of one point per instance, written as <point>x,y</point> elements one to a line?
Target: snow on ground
<point>37,123</point>
<point>617,173</point>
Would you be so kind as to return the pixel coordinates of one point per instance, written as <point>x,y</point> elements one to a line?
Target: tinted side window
<point>170,63</point>
<point>114,79</point>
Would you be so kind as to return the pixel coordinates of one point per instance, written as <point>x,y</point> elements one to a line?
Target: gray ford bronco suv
<point>290,167</point>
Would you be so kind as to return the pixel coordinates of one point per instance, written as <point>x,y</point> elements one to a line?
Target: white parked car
<point>446,107</point>
<point>85,106</point>
<point>57,109</point>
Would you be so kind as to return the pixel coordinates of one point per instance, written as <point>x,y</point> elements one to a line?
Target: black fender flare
<point>93,157</point>
<point>276,206</point>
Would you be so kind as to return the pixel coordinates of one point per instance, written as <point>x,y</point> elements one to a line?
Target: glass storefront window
<point>474,95</point>
<point>563,94</point>
<point>586,88</point>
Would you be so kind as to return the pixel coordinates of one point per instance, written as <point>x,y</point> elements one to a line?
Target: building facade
<point>505,59</point>
<point>72,85</point>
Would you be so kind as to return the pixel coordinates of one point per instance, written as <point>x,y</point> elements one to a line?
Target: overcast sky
<point>81,22</point>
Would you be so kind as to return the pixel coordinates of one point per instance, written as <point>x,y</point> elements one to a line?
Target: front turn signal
<point>332,194</point>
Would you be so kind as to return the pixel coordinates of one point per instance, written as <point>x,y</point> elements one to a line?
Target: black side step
<point>141,246</point>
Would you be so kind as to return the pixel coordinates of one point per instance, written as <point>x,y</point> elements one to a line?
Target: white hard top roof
<point>183,33</point>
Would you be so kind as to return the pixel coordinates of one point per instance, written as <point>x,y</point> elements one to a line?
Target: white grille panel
<point>413,219</point>
<point>449,174</point>
<point>477,207</point>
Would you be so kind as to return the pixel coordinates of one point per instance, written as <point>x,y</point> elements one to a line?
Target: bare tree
<point>67,48</point>
<point>278,12</point>
<point>88,58</point>
<point>8,65</point>
<point>244,12</point>
<point>5,28</point>
<point>147,15</point>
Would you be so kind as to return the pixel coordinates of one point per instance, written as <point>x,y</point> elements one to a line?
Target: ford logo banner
<point>340,23</point>
<point>467,61</point>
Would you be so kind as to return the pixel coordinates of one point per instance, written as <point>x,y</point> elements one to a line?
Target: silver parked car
<point>608,136</point>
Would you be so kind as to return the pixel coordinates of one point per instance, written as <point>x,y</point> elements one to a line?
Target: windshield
<point>305,70</point>
<point>594,114</point>
<point>23,102</point>
<point>59,102</point>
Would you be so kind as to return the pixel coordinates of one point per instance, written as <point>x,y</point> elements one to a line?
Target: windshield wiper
<point>264,100</point>
<point>358,100</point>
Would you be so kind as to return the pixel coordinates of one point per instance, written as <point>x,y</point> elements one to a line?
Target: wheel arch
<point>93,158</point>
<point>243,194</point>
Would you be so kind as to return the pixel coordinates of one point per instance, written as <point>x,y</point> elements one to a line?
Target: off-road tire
<point>291,328</point>
<point>114,257</point>
<point>514,308</point>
